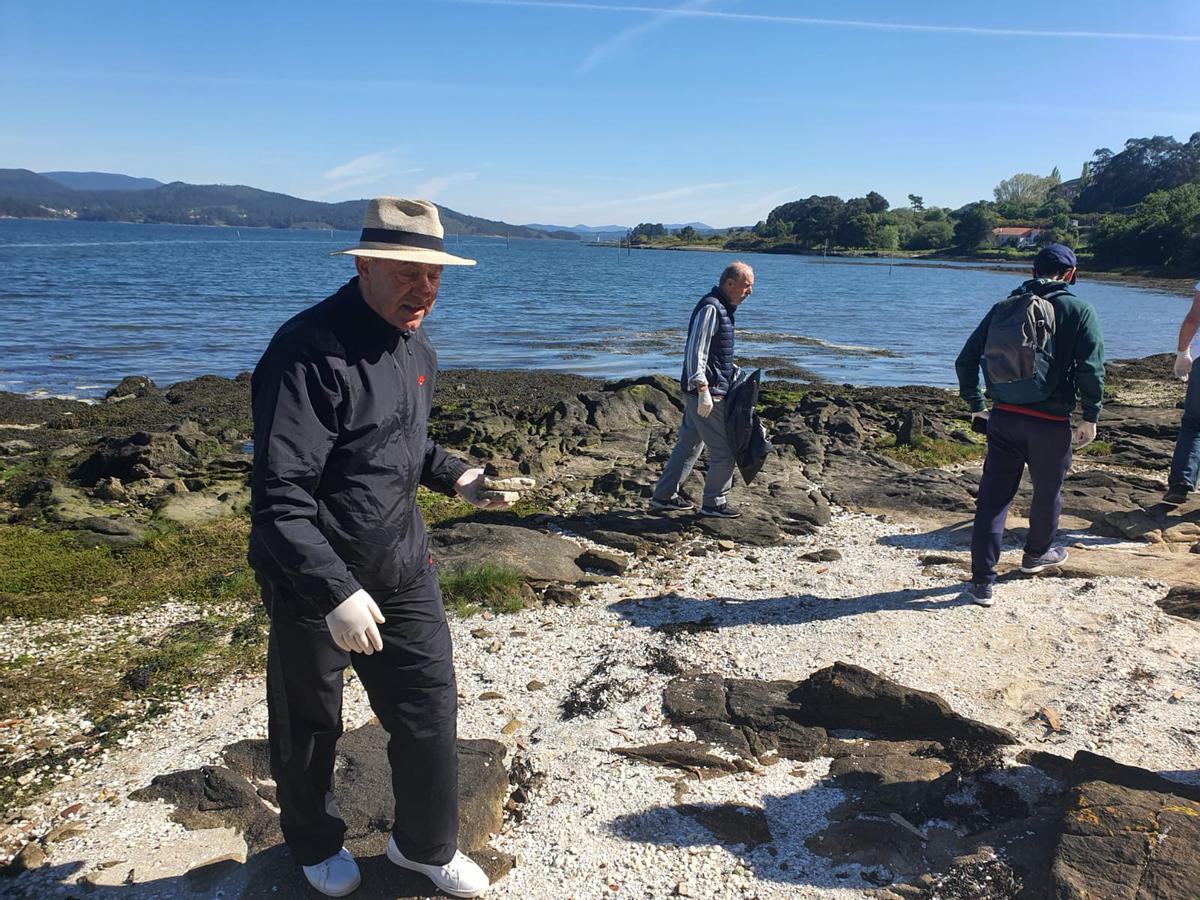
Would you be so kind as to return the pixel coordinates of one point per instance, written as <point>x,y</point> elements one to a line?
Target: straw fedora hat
<point>408,230</point>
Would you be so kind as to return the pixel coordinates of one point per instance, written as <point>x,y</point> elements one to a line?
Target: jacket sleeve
<point>1089,365</point>
<point>440,470</point>
<point>967,366</point>
<point>295,427</point>
<point>695,353</point>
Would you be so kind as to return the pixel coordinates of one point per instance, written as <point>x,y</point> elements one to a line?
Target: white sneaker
<point>460,877</point>
<point>336,876</point>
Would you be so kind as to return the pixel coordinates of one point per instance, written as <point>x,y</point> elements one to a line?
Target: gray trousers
<point>696,433</point>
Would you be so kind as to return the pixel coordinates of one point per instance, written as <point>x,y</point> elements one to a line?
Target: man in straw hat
<point>341,399</point>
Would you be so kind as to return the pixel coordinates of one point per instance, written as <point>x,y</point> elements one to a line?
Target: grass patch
<point>436,508</point>
<point>928,453</point>
<point>48,574</point>
<point>497,588</point>
<point>1096,448</point>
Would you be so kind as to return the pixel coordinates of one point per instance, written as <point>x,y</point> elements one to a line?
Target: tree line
<point>1138,207</point>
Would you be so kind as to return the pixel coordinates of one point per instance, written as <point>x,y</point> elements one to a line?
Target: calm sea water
<point>83,304</point>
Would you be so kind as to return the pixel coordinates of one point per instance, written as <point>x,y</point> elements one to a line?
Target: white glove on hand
<point>1183,364</point>
<point>704,404</point>
<point>353,624</point>
<point>484,492</point>
<point>1084,434</point>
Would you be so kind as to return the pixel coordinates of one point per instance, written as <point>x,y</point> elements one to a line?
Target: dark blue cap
<point>1055,258</point>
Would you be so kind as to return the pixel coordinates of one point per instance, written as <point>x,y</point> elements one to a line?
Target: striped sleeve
<point>695,354</point>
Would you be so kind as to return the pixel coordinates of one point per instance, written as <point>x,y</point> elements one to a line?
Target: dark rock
<point>561,595</point>
<point>692,757</point>
<point>1093,767</point>
<point>696,697</point>
<point>104,531</point>
<point>911,429</point>
<point>826,555</point>
<point>603,561</point>
<point>132,386</point>
<point>1182,601</point>
<point>847,696</point>
<point>1119,843</point>
<point>214,796</point>
<point>15,447</point>
<point>870,842</point>
<point>30,857</point>
<point>731,824</point>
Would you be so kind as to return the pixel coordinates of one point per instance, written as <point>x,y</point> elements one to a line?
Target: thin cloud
<point>437,185</point>
<point>370,165</point>
<point>685,12</point>
<point>659,197</point>
<point>629,35</point>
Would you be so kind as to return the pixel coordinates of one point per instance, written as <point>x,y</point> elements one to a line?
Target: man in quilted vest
<point>708,373</point>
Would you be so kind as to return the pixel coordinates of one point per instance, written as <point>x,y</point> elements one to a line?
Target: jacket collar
<point>719,294</point>
<point>364,318</point>
<point>1042,287</point>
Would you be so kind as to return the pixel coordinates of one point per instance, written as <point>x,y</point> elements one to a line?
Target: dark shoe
<point>677,503</point>
<point>724,511</point>
<point>1055,556</point>
<point>979,594</point>
<point>1175,495</point>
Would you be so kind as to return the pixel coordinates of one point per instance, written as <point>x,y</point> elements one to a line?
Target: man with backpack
<point>1039,348</point>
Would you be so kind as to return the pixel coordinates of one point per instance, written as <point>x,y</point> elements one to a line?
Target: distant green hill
<point>25,194</point>
<point>102,181</point>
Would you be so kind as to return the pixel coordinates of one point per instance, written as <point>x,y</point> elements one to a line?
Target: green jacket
<point>1078,364</point>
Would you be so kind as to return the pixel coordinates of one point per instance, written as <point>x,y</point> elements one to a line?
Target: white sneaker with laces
<point>336,876</point>
<point>460,877</point>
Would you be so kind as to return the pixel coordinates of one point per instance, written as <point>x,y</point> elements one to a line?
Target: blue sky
<point>596,112</point>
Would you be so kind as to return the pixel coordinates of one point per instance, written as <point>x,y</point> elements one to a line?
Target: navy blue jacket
<point>341,400</point>
<point>708,354</point>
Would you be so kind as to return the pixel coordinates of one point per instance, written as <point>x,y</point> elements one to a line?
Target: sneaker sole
<point>411,866</point>
<point>346,893</point>
<point>978,601</point>
<point>1033,570</point>
<point>670,509</point>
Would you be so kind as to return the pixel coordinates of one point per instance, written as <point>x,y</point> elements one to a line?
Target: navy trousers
<point>411,688</point>
<point>1015,441</point>
<point>1185,464</point>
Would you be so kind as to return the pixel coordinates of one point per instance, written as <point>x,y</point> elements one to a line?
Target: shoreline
<point>144,656</point>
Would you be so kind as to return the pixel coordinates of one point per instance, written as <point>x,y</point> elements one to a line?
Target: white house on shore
<point>1016,237</point>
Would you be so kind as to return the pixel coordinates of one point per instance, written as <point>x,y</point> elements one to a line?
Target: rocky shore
<point>791,704</point>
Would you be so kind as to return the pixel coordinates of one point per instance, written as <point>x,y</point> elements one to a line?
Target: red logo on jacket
<point>420,379</point>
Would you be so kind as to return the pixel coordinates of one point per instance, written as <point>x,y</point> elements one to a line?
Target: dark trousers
<point>1015,441</point>
<point>1185,463</point>
<point>411,688</point>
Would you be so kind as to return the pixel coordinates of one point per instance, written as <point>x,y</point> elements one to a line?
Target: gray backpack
<point>1019,349</point>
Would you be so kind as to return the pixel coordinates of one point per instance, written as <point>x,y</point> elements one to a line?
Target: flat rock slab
<point>690,756</point>
<point>234,795</point>
<point>537,556</point>
<point>848,696</point>
<point>1119,843</point>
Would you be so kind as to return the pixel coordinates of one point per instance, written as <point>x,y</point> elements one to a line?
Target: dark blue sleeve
<point>295,406</point>
<point>967,366</point>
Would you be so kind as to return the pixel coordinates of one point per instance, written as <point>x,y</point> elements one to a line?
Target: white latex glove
<point>704,404</point>
<point>1183,364</point>
<point>353,624</point>
<point>484,492</point>
<point>1084,434</point>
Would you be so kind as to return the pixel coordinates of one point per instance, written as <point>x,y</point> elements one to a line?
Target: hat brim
<point>405,254</point>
